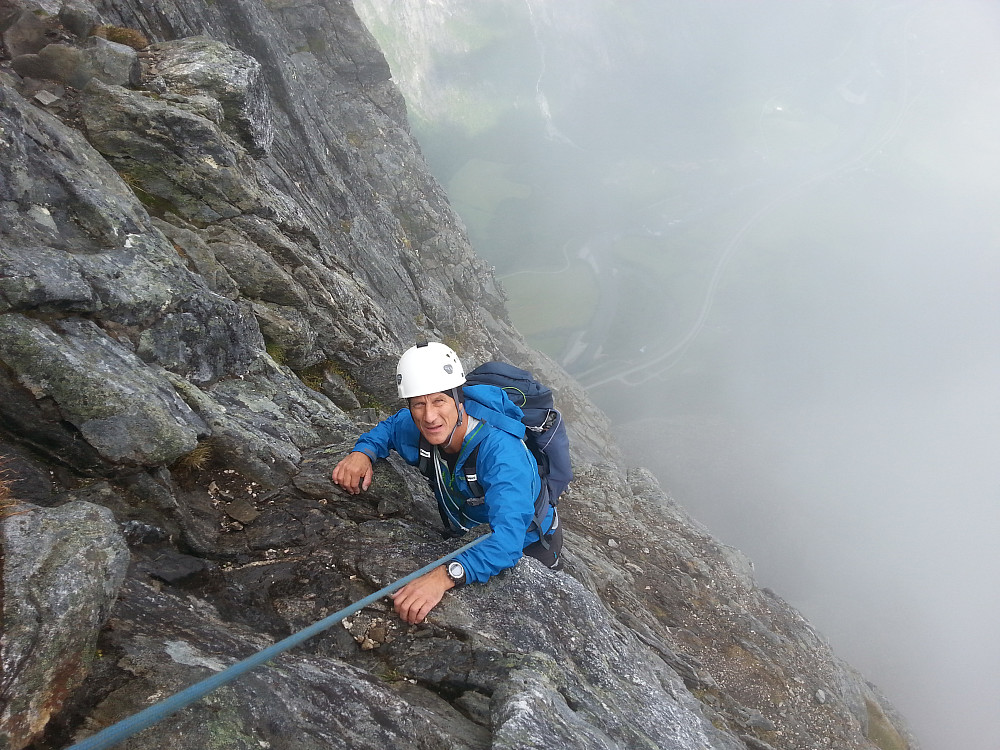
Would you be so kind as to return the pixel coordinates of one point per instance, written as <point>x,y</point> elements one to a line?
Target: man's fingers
<point>344,482</point>
<point>416,599</point>
<point>411,605</point>
<point>402,602</point>
<point>417,611</point>
<point>354,473</point>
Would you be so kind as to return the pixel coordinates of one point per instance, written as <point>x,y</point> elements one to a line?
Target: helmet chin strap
<point>461,418</point>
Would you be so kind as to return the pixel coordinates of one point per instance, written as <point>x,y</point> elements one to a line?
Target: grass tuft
<point>8,503</point>
<point>197,459</point>
<point>121,35</point>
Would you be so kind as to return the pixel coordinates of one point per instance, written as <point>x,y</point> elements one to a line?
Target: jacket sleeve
<point>397,433</point>
<point>509,476</point>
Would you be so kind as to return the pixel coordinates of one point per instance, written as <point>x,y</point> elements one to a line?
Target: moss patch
<point>156,205</point>
<point>275,351</point>
<point>313,375</point>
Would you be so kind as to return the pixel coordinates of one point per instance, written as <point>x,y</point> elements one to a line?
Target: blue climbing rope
<point>157,712</point>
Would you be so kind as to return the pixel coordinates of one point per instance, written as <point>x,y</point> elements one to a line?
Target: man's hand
<point>417,598</point>
<point>354,472</point>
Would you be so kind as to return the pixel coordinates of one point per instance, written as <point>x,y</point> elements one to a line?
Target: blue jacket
<point>505,469</point>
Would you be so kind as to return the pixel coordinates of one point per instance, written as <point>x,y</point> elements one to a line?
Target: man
<point>455,421</point>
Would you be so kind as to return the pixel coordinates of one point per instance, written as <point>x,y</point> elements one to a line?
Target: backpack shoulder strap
<point>426,466</point>
<point>541,502</point>
<point>471,477</point>
<point>424,461</point>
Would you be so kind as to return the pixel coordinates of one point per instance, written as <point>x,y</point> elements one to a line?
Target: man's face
<point>435,416</point>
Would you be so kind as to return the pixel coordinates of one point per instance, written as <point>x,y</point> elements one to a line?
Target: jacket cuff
<point>367,451</point>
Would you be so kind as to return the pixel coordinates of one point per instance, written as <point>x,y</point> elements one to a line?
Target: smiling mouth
<point>436,435</point>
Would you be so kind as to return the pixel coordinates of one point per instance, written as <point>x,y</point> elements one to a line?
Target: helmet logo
<point>399,378</point>
<point>449,369</point>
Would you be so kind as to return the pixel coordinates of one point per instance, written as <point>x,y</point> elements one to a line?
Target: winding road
<point>590,343</point>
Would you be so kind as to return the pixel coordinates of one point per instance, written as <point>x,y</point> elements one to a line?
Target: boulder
<point>24,33</point>
<point>79,17</point>
<point>207,67</point>
<point>62,571</point>
<point>112,63</point>
<point>179,161</point>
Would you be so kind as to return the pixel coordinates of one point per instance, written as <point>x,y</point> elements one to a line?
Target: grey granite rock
<point>106,61</point>
<point>79,17</point>
<point>23,32</point>
<point>120,407</point>
<point>62,571</point>
<point>207,67</point>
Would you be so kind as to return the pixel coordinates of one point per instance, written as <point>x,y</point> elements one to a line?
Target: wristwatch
<point>456,573</point>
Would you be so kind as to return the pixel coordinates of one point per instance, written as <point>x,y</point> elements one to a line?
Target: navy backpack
<point>545,433</point>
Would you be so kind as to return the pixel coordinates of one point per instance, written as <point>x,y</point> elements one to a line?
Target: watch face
<point>456,571</point>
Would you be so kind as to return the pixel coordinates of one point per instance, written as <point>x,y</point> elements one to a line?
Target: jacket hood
<point>490,404</point>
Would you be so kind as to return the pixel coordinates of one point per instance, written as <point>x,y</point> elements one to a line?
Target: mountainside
<point>216,236</point>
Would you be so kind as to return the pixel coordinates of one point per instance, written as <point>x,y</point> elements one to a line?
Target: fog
<point>765,237</point>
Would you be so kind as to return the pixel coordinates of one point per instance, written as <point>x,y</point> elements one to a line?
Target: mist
<point>764,236</point>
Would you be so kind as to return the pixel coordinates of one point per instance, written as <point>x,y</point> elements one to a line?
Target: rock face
<point>216,236</point>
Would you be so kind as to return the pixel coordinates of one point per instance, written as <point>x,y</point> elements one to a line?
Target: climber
<point>455,421</point>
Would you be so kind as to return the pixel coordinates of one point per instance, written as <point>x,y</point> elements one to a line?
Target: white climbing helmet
<point>428,368</point>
